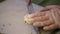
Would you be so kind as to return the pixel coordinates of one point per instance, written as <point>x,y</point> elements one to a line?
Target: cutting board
<point>12,14</point>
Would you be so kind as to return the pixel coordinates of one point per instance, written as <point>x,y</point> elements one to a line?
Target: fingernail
<point>45,28</point>
<point>31,15</point>
<point>34,24</point>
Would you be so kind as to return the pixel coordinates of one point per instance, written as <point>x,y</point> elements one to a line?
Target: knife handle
<point>28,2</point>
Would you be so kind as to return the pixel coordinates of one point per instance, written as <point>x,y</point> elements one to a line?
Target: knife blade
<point>30,11</point>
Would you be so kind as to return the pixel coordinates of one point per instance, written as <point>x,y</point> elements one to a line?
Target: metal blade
<point>30,11</point>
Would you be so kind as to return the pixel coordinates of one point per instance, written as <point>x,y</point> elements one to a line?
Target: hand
<point>48,18</point>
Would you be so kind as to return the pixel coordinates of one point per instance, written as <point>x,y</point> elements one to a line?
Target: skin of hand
<point>44,18</point>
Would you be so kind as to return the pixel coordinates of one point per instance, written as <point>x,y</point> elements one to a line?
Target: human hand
<point>48,18</point>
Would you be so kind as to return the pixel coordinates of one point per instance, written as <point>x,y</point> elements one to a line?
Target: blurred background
<point>46,2</point>
<point>43,2</point>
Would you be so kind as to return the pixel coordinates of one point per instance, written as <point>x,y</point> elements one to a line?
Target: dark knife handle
<point>28,2</point>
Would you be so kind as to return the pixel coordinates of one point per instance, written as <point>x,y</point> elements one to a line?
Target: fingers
<point>38,14</point>
<point>39,19</point>
<point>50,27</point>
<point>42,18</point>
<point>43,23</point>
<point>38,24</point>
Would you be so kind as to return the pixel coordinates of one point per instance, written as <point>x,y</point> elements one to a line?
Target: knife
<point>30,11</point>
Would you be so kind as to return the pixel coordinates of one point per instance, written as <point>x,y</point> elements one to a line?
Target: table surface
<point>12,14</point>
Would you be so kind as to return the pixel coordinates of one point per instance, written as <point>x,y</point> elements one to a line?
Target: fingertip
<point>36,24</point>
<point>31,15</point>
<point>45,28</point>
<point>50,27</point>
